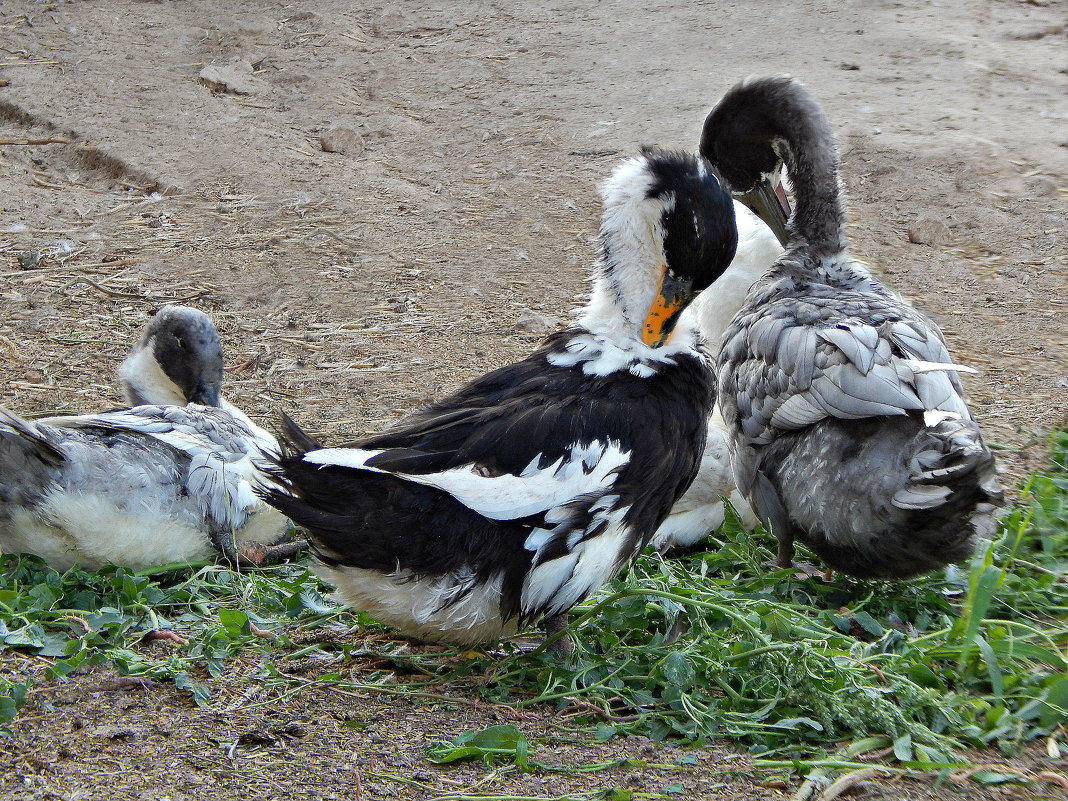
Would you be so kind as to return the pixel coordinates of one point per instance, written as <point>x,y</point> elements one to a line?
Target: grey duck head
<point>178,360</point>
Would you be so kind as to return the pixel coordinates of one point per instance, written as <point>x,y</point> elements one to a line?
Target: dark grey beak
<point>769,202</point>
<point>205,394</point>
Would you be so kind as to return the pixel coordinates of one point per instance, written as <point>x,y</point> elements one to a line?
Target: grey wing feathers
<point>222,452</point>
<point>796,374</point>
<point>797,354</point>
<point>182,427</point>
<point>215,451</point>
<point>29,437</point>
<point>857,343</point>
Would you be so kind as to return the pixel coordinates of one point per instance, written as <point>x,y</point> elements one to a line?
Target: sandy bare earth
<point>153,152</point>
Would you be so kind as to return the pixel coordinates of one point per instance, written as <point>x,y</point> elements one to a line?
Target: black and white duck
<point>849,428</point>
<point>701,509</point>
<point>158,483</point>
<point>526,490</point>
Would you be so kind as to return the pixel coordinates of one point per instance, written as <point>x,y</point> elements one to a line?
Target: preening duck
<point>526,490</point>
<point>849,428</point>
<point>700,510</point>
<point>146,486</point>
<point>177,360</point>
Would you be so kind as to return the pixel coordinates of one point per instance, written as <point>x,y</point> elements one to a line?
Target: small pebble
<point>530,322</point>
<point>928,231</point>
<point>234,78</point>
<point>29,259</point>
<point>1041,186</point>
<point>341,140</point>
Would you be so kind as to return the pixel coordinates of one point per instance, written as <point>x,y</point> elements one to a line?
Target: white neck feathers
<point>143,380</point>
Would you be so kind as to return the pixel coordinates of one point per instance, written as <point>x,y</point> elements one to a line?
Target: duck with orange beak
<point>525,491</point>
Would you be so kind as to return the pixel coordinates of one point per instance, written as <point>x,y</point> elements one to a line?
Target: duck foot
<point>256,554</point>
<point>553,625</point>
<point>803,570</point>
<point>785,560</point>
<point>806,571</point>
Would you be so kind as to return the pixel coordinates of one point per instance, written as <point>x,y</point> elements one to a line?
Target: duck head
<point>178,360</point>
<point>667,232</point>
<point>756,127</point>
<point>748,136</point>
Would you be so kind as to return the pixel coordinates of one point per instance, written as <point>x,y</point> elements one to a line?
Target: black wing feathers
<point>530,410</point>
<point>527,412</point>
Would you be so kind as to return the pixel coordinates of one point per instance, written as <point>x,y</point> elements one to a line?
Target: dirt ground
<point>153,152</point>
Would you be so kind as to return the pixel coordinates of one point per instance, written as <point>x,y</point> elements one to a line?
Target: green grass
<point>974,656</point>
<point>709,646</point>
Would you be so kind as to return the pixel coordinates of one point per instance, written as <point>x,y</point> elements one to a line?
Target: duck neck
<point>144,381</point>
<point>810,154</point>
<point>625,279</point>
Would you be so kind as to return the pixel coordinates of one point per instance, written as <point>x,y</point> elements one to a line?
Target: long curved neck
<point>811,158</point>
<point>615,307</point>
<point>625,275</point>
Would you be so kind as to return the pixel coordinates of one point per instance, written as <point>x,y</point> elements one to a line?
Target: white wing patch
<point>920,366</point>
<point>343,457</point>
<point>558,584</point>
<point>588,468</point>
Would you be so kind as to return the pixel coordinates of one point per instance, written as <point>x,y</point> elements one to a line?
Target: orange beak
<point>671,298</point>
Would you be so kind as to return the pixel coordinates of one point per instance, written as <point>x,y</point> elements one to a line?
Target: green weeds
<point>213,614</point>
<point>718,644</point>
<point>489,744</point>
<point>708,646</point>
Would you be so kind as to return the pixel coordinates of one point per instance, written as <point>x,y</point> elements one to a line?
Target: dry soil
<point>378,202</point>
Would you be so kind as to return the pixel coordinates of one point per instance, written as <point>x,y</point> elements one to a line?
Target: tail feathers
<point>891,498</point>
<point>920,497</point>
<point>331,504</point>
<point>297,490</point>
<point>294,440</point>
<point>293,444</point>
<point>312,519</point>
<point>951,466</point>
<point>27,438</point>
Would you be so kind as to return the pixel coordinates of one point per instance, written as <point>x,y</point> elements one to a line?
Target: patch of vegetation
<point>78,618</point>
<point>720,644</point>
<point>12,698</point>
<point>712,645</point>
<point>489,744</point>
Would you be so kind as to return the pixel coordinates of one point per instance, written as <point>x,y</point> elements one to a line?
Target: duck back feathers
<point>140,487</point>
